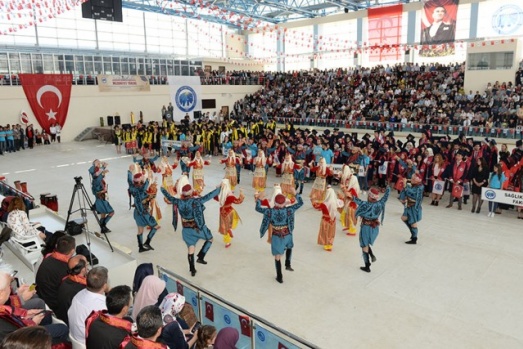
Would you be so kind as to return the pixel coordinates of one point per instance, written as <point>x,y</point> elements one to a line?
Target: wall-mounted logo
<point>261,336</point>
<point>227,319</point>
<point>490,194</point>
<point>194,301</point>
<point>186,98</point>
<point>507,19</point>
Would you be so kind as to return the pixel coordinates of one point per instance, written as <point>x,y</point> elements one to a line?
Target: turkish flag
<point>281,346</point>
<point>245,325</point>
<point>48,95</point>
<point>209,311</point>
<point>179,287</point>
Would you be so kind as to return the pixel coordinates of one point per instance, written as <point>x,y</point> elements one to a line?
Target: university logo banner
<point>501,18</point>
<point>186,92</point>
<point>438,22</point>
<point>385,32</point>
<point>119,83</point>
<point>48,95</point>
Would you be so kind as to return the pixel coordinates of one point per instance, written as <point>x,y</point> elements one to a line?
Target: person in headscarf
<point>320,183</point>
<point>141,272</point>
<point>349,183</point>
<point>231,161</point>
<point>197,175</point>
<point>328,208</point>
<point>173,334</point>
<point>259,179</point>
<point>151,292</point>
<point>287,180</point>
<point>166,169</point>
<point>99,189</point>
<point>229,218</point>
<point>154,208</point>
<point>412,196</point>
<point>370,212</point>
<point>281,218</point>
<point>142,215</point>
<point>227,338</point>
<point>193,221</point>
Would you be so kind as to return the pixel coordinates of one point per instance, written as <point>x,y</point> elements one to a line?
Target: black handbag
<point>84,251</point>
<point>5,235</point>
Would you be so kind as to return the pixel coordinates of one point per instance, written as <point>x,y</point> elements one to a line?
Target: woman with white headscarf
<point>287,180</point>
<point>259,179</point>
<point>349,184</point>
<point>173,334</point>
<point>197,175</point>
<point>320,183</point>
<point>151,292</point>
<point>166,169</point>
<point>328,208</point>
<point>230,168</point>
<point>229,218</point>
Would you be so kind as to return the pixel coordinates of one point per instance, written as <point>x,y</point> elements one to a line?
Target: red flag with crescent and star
<point>48,95</point>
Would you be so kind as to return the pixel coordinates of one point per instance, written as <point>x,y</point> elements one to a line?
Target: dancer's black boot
<point>288,255</point>
<point>279,275</point>
<point>192,269</point>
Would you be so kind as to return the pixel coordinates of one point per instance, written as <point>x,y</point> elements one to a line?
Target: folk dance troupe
<point>414,172</point>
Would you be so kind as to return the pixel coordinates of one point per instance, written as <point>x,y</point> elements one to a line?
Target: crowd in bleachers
<point>403,93</point>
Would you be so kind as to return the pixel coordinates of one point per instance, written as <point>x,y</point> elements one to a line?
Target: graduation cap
<point>336,129</point>
<point>444,144</point>
<point>463,153</point>
<point>493,142</point>
<point>314,132</point>
<point>470,139</point>
<point>410,137</point>
<point>391,134</point>
<point>519,143</point>
<point>478,143</point>
<point>366,136</point>
<point>399,143</point>
<point>326,132</point>
<point>456,141</point>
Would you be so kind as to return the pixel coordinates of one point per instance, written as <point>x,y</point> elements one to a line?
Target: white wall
<point>476,80</point>
<point>87,104</point>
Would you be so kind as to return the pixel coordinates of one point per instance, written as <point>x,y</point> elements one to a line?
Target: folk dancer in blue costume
<point>299,175</point>
<point>191,209</point>
<point>99,189</point>
<point>146,162</point>
<point>370,212</point>
<point>142,216</point>
<point>185,154</point>
<point>412,196</point>
<point>281,219</point>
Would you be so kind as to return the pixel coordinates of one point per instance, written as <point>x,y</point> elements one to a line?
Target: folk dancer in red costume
<point>349,184</point>
<point>166,169</point>
<point>259,179</point>
<point>320,183</point>
<point>287,180</point>
<point>329,208</point>
<point>197,176</point>
<point>231,161</point>
<point>229,217</point>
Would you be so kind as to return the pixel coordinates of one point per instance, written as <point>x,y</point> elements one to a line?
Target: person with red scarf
<point>53,269</point>
<point>457,176</point>
<point>73,283</point>
<point>106,329</point>
<point>149,323</point>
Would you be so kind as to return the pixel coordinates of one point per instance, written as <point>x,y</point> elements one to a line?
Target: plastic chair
<point>76,344</point>
<point>27,245</point>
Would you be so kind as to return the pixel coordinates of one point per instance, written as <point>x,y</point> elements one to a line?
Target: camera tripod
<point>84,204</point>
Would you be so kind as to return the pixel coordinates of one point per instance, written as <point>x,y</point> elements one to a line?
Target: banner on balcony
<point>384,31</point>
<point>186,96</point>
<point>48,95</point>
<point>119,83</point>
<point>438,22</point>
<point>500,18</point>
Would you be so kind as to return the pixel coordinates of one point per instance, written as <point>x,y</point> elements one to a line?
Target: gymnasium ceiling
<point>248,14</point>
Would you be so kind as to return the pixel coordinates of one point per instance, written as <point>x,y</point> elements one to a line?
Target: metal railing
<point>471,131</point>
<point>255,332</point>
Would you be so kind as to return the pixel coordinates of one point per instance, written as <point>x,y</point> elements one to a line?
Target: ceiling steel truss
<point>248,14</point>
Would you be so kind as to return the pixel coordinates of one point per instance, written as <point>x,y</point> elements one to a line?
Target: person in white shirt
<point>19,223</point>
<point>89,299</point>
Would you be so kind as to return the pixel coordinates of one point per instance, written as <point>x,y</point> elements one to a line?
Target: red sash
<point>60,257</point>
<point>78,279</point>
<point>142,343</point>
<point>107,319</point>
<point>458,171</point>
